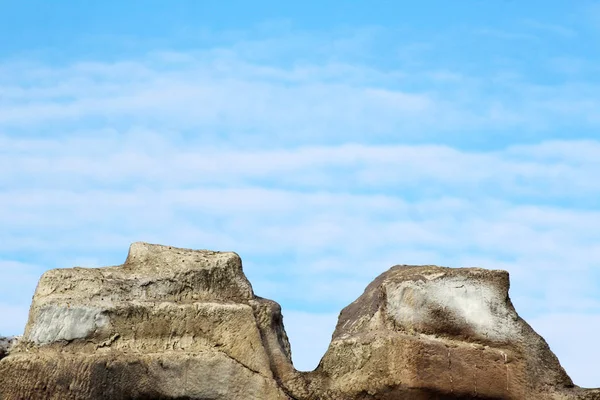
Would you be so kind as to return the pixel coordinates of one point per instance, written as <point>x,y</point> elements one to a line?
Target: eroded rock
<point>427,332</point>
<point>169,323</point>
<point>175,323</point>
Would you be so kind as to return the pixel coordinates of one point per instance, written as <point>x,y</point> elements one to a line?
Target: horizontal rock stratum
<point>175,323</point>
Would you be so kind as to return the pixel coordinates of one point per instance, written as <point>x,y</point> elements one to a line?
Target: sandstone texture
<point>168,324</point>
<point>174,323</point>
<point>428,332</point>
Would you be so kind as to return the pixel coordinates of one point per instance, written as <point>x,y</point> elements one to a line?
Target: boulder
<point>169,323</point>
<point>428,332</point>
<point>175,323</point>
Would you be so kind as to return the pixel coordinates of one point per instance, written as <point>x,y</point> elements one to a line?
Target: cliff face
<point>169,323</point>
<point>182,324</point>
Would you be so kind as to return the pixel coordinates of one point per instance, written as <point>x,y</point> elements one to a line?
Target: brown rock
<point>427,332</point>
<point>183,324</point>
<point>170,323</point>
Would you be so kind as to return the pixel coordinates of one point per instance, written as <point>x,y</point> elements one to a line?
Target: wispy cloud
<point>351,199</point>
<point>321,172</point>
<point>219,95</point>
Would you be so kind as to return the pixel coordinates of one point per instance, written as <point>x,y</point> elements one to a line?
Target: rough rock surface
<point>185,324</point>
<point>168,324</point>
<point>427,332</point>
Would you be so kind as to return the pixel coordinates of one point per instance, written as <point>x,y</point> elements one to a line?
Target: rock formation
<point>427,332</point>
<point>175,323</point>
<point>168,324</point>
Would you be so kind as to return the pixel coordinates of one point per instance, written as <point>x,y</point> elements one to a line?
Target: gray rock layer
<point>175,323</point>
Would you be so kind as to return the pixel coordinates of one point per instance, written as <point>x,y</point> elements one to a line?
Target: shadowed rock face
<point>175,323</point>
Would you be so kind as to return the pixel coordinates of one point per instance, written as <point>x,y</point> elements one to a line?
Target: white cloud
<point>266,204</point>
<point>560,168</point>
<point>249,101</point>
<point>223,149</point>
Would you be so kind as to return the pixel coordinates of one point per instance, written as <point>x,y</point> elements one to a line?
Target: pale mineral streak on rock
<point>477,306</point>
<point>175,323</point>
<point>53,323</point>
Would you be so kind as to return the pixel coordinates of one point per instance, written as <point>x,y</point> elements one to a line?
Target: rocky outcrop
<point>427,332</point>
<point>182,324</point>
<point>168,324</point>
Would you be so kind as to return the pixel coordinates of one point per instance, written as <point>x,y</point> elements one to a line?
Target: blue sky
<point>322,141</point>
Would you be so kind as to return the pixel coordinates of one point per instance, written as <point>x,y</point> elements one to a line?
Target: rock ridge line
<point>174,323</point>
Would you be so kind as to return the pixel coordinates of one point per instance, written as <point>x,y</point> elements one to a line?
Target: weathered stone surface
<point>427,332</point>
<point>169,323</point>
<point>174,323</point>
